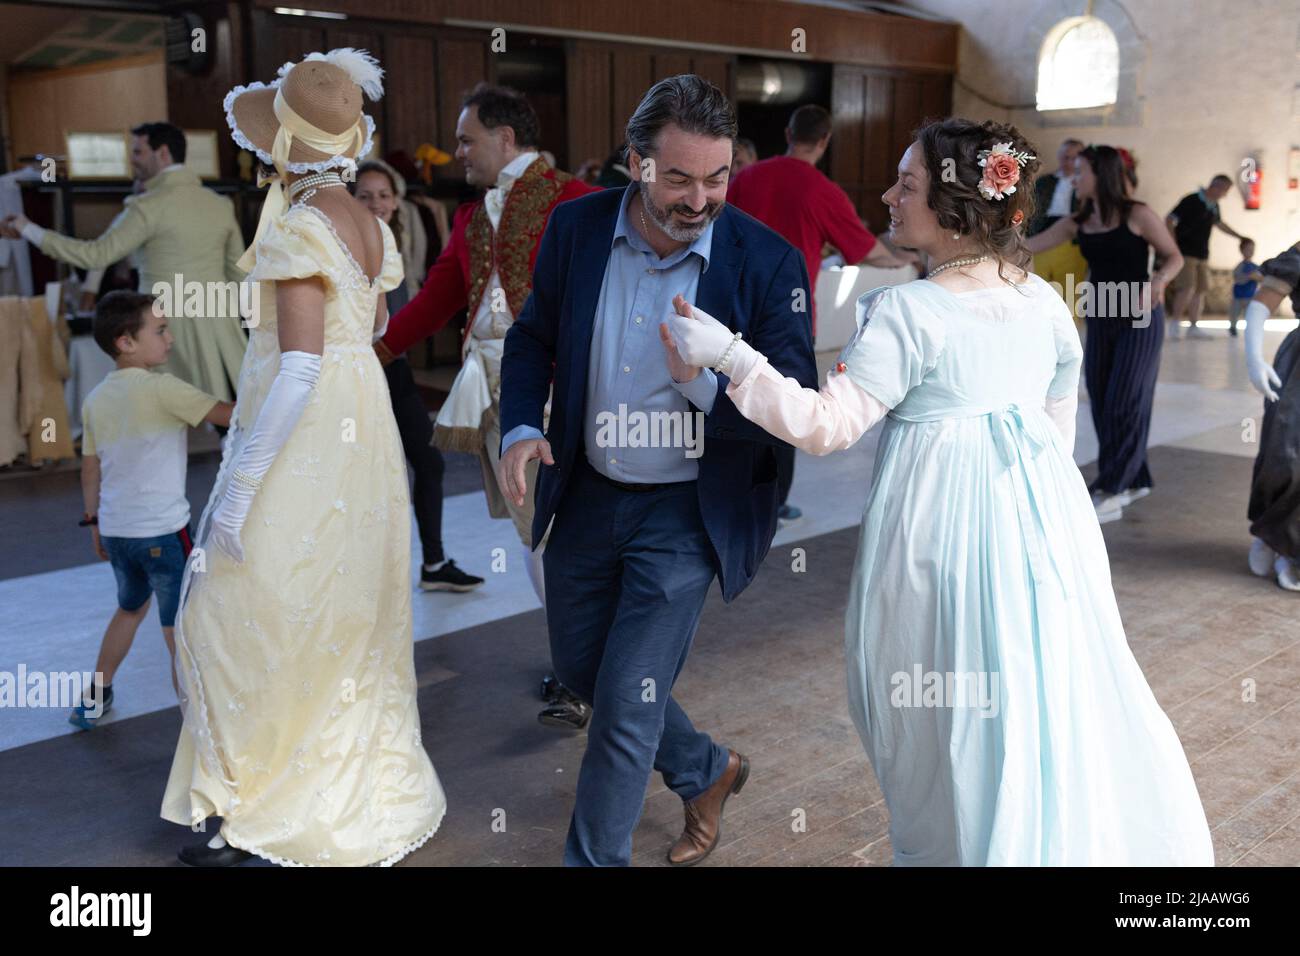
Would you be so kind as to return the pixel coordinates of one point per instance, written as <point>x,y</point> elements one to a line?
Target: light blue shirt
<point>627,434</point>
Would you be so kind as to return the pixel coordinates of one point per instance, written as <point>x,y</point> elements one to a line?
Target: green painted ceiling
<point>90,37</point>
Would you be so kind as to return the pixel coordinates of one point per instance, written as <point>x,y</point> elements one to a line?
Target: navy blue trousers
<point>626,577</point>
<point>1120,363</point>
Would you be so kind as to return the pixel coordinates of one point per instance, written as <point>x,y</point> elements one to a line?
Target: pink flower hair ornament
<point>1002,166</point>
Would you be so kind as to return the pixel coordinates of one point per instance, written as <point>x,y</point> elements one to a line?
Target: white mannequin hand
<point>1262,375</point>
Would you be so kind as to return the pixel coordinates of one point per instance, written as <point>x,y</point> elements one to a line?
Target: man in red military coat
<point>487,268</point>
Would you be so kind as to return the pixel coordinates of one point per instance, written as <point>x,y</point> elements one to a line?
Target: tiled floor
<point>1220,648</point>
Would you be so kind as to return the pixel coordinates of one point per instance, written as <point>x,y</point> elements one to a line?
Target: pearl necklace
<point>310,184</point>
<point>954,263</point>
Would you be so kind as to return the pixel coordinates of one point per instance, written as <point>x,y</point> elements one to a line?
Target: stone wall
<point>1203,83</point>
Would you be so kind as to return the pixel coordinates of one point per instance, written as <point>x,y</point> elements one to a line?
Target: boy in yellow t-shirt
<point>134,456</point>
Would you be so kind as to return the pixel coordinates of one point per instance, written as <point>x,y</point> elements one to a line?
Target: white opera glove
<point>704,341</point>
<point>1261,373</point>
<point>1063,413</point>
<point>289,394</point>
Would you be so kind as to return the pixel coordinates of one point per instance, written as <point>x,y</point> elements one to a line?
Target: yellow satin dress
<point>298,679</point>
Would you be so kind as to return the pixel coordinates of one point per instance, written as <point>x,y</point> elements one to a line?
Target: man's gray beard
<point>664,220</point>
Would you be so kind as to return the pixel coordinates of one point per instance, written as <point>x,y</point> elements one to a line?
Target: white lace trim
<point>389,860</point>
<point>341,162</point>
<point>361,273</point>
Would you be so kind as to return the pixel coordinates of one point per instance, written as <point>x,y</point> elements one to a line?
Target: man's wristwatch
<point>87,519</point>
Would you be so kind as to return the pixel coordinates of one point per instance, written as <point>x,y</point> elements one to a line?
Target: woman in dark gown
<point>1274,510</point>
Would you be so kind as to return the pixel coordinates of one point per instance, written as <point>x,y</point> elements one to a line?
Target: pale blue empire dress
<point>980,554</point>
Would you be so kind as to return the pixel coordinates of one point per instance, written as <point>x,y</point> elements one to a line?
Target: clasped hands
<point>11,227</point>
<point>692,339</point>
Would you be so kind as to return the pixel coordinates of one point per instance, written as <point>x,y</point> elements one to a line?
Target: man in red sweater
<point>791,196</point>
<point>487,268</point>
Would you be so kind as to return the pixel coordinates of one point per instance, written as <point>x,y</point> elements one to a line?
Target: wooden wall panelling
<point>44,105</point>
<point>879,158</point>
<point>714,68</point>
<point>875,113</point>
<point>194,102</point>
<point>461,65</point>
<point>907,114</point>
<point>835,35</point>
<point>411,94</point>
<point>669,63</point>
<point>633,74</point>
<point>288,43</point>
<point>846,159</point>
<point>588,80</point>
<point>936,97</point>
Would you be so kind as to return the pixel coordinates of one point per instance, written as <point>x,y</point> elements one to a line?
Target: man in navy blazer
<point>655,482</point>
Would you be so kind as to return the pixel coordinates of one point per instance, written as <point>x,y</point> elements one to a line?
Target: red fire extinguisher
<point>1252,179</point>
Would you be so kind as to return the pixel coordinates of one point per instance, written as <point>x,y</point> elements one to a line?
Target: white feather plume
<point>360,65</point>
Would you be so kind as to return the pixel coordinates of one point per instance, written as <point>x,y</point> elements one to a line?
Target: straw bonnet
<point>307,120</point>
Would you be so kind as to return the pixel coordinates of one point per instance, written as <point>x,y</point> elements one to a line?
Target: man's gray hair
<point>687,101</point>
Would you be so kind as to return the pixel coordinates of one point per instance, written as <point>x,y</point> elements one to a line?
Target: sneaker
<point>1108,507</point>
<point>448,578</point>
<point>83,716</point>
<point>1126,498</point>
<point>787,513</point>
<point>1287,575</point>
<point>1260,558</point>
<point>1196,332</point>
<point>1175,330</point>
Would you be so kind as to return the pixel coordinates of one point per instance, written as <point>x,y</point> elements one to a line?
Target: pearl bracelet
<point>724,361</point>
<point>248,481</point>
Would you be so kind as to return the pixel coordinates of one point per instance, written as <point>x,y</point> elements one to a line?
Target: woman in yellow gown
<point>294,641</point>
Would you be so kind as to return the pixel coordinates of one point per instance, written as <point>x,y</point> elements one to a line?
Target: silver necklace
<point>310,184</point>
<point>644,227</point>
<point>954,263</point>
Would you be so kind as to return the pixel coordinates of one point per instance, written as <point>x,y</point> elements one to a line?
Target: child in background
<point>1245,280</point>
<point>134,456</point>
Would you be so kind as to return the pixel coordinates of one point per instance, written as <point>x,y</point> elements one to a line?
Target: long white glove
<point>284,403</point>
<point>1261,373</point>
<point>701,340</point>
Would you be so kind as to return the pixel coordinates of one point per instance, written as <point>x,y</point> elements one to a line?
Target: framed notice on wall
<point>98,156</point>
<point>201,153</point>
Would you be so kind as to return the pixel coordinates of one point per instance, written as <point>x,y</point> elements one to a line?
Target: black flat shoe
<point>566,711</point>
<point>204,855</point>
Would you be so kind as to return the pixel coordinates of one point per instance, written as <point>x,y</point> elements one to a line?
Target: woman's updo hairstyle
<point>954,186</point>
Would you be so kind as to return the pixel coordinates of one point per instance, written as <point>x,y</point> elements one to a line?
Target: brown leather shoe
<point>704,814</point>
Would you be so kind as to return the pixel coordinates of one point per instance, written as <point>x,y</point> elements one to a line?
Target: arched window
<point>1078,66</point>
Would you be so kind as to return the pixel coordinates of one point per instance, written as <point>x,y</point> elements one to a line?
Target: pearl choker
<point>309,184</point>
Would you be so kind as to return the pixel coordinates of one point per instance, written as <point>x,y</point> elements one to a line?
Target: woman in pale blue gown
<point>989,675</point>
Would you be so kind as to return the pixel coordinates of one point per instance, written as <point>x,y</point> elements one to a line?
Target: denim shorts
<point>145,566</point>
